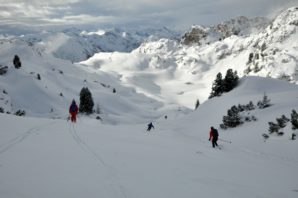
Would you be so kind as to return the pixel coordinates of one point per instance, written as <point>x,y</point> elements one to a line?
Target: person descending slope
<point>73,110</point>
<point>150,126</point>
<point>213,136</point>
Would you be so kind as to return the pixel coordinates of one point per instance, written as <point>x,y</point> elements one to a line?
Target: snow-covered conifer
<point>273,127</point>
<point>230,81</point>
<point>217,86</point>
<point>86,101</point>
<point>294,120</point>
<point>264,103</point>
<point>232,119</point>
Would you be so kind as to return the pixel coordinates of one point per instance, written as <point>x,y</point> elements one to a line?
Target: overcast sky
<point>179,14</point>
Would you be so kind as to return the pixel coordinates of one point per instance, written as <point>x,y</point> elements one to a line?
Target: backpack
<point>73,107</point>
<point>215,133</point>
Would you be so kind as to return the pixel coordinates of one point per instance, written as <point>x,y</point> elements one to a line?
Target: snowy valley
<point>137,77</point>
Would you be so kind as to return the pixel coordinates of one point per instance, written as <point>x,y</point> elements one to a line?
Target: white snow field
<point>54,158</point>
<point>42,155</point>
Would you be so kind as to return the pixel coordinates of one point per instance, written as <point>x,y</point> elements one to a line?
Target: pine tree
<point>217,86</point>
<point>264,103</point>
<point>230,81</point>
<point>86,101</point>
<point>294,120</point>
<point>197,104</point>
<point>16,61</point>
<point>250,58</point>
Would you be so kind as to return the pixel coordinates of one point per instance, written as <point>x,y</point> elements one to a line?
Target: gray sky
<point>179,14</point>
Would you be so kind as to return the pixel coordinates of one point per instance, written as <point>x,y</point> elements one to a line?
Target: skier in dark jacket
<point>150,126</point>
<point>213,136</point>
<point>73,110</point>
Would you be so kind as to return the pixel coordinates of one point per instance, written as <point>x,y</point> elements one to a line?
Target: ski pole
<point>225,141</point>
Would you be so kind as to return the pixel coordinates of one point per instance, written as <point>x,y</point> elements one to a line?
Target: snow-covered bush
<point>293,137</point>
<point>20,112</point>
<point>282,121</point>
<point>222,126</point>
<point>250,106</point>
<point>280,133</point>
<point>273,127</point>
<point>237,115</point>
<point>232,119</point>
<point>3,70</point>
<point>98,118</point>
<point>17,62</point>
<point>265,136</point>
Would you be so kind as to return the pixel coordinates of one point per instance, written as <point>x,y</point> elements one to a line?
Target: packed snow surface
<point>55,158</point>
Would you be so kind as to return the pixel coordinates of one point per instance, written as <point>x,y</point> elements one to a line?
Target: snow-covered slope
<point>61,81</point>
<point>54,158</point>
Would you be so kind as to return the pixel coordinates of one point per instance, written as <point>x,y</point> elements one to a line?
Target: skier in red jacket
<point>213,136</point>
<point>73,110</point>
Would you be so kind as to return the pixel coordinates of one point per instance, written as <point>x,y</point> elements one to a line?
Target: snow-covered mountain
<point>76,45</point>
<point>185,72</point>
<point>241,26</point>
<point>167,72</point>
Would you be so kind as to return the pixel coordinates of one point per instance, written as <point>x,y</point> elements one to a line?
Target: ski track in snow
<point>113,183</point>
<point>85,146</point>
<point>267,156</point>
<point>20,138</point>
